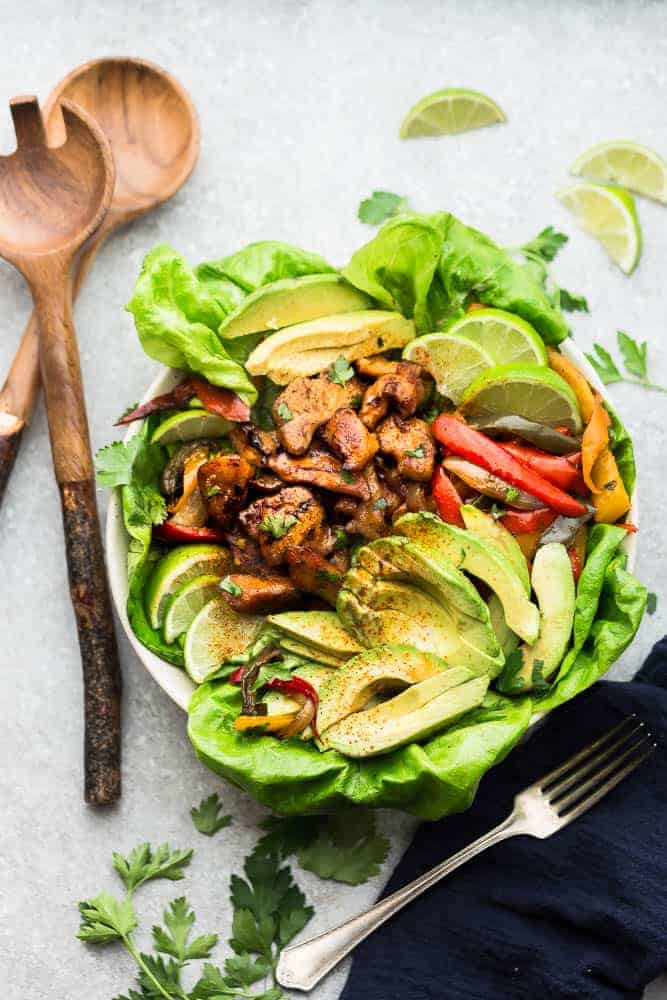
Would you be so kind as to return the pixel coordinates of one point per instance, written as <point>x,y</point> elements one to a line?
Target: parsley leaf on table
<point>341,371</point>
<point>546,245</point>
<point>635,360</point>
<point>105,919</point>
<point>380,206</point>
<point>143,864</point>
<point>174,938</point>
<point>347,849</point>
<point>207,816</point>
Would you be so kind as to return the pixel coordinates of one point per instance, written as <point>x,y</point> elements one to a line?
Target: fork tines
<point>607,760</point>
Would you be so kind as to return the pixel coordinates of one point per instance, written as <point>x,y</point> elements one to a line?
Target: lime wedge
<point>216,633</point>
<point>453,361</point>
<point>448,111</point>
<point>625,163</point>
<point>528,391</point>
<point>506,338</point>
<point>185,603</point>
<point>609,214</point>
<point>176,568</point>
<point>189,425</point>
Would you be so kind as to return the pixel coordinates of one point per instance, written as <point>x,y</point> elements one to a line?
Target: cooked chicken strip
<point>313,574</point>
<point>223,482</point>
<point>348,438</point>
<point>282,521</point>
<point>410,443</point>
<point>319,468</point>
<point>261,595</point>
<point>406,388</point>
<point>372,518</point>
<point>305,405</point>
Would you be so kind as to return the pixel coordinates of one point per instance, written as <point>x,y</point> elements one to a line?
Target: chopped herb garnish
<point>417,452</point>
<point>512,494</point>
<point>341,371</point>
<point>277,525</point>
<point>231,587</point>
<point>346,476</point>
<point>284,411</point>
<point>342,540</point>
<point>327,575</point>
<point>212,491</point>
<point>380,504</point>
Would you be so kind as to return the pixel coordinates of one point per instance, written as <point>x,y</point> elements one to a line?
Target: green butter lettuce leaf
<point>260,263</point>
<point>177,316</point>
<point>440,776</point>
<point>429,266</point>
<point>621,446</point>
<point>136,613</point>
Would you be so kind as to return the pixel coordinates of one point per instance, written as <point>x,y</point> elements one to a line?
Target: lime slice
<point>609,214</point>
<point>448,111</point>
<point>216,633</point>
<point>506,338</point>
<point>625,163</point>
<point>185,603</point>
<point>453,361</point>
<point>176,568</point>
<point>189,425</point>
<point>528,391</point>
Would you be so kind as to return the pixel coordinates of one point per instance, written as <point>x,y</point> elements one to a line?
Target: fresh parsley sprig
<point>635,360</point>
<point>208,817</point>
<point>381,205</point>
<point>540,252</point>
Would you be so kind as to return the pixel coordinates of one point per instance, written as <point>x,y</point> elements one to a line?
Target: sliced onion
<point>491,486</point>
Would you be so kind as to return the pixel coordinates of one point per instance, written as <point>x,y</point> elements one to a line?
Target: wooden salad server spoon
<point>51,200</point>
<point>152,126</point>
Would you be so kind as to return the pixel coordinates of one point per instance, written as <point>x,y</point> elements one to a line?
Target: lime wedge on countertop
<point>453,361</point>
<point>506,338</point>
<point>176,568</point>
<point>189,425</point>
<point>449,111</point>
<point>626,163</point>
<point>528,391</point>
<point>185,603</point>
<point>216,633</point>
<point>608,213</point>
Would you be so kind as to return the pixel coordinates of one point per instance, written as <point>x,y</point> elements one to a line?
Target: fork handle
<point>304,965</point>
<point>70,444</point>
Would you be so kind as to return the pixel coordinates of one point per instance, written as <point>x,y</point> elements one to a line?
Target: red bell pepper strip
<point>446,498</point>
<point>575,562</point>
<point>222,402</point>
<point>526,521</point>
<point>177,534</point>
<point>561,470</point>
<point>297,685</point>
<point>236,676</point>
<point>474,446</point>
<point>631,529</point>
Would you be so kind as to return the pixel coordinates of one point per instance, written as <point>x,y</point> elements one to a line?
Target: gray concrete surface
<point>300,105</point>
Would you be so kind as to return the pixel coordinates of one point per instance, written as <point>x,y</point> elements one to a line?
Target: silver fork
<point>539,811</point>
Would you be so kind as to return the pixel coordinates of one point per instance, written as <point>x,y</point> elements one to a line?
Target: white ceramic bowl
<point>174,680</point>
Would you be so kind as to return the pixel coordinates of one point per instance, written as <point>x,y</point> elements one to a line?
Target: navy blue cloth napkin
<point>582,914</point>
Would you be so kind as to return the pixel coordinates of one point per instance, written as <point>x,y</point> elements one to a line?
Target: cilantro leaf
<point>277,525</point>
<point>546,245</point>
<point>417,452</point>
<point>207,816</point>
<point>347,849</point>
<point>174,939</point>
<point>512,494</point>
<point>244,970</point>
<point>342,539</point>
<point>143,864</point>
<point>652,603</point>
<point>510,681</point>
<point>231,587</point>
<point>144,505</point>
<point>380,206</point>
<point>634,354</point>
<point>571,302</point>
<point>341,371</point>
<point>105,919</point>
<point>346,476</point>
<point>252,935</point>
<point>114,462</point>
<point>381,503</point>
<point>284,411</point>
<point>154,970</point>
<point>604,365</point>
<point>286,835</point>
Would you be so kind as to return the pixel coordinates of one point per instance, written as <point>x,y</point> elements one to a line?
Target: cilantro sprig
<point>380,206</point>
<point>635,361</point>
<point>542,251</point>
<point>208,817</point>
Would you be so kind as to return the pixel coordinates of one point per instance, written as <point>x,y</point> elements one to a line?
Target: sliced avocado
<point>482,558</point>
<point>508,639</point>
<point>309,652</point>
<point>307,348</point>
<point>322,629</point>
<point>364,735</point>
<point>553,584</point>
<point>384,668</point>
<point>395,593</point>
<point>491,530</point>
<point>292,300</point>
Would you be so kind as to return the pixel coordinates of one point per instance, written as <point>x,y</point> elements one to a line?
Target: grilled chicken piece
<point>282,521</point>
<point>246,553</point>
<point>348,438</point>
<point>305,405</point>
<point>324,540</point>
<point>344,508</point>
<point>223,483</point>
<point>418,497</point>
<point>372,518</point>
<point>319,468</point>
<point>266,482</point>
<point>410,443</point>
<point>406,387</point>
<point>265,442</point>
<point>261,595</point>
<point>313,574</point>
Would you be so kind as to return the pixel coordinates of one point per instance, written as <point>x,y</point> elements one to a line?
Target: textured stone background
<point>300,105</point>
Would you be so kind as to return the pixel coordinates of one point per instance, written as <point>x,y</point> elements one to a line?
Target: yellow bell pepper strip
<point>594,442</point>
<point>611,500</point>
<point>576,381</point>
<point>271,723</point>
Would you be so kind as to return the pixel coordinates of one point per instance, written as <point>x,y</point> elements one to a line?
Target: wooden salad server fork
<point>51,200</point>
<point>152,126</point>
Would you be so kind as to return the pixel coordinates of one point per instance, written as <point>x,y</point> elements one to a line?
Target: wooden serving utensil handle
<point>70,444</point>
